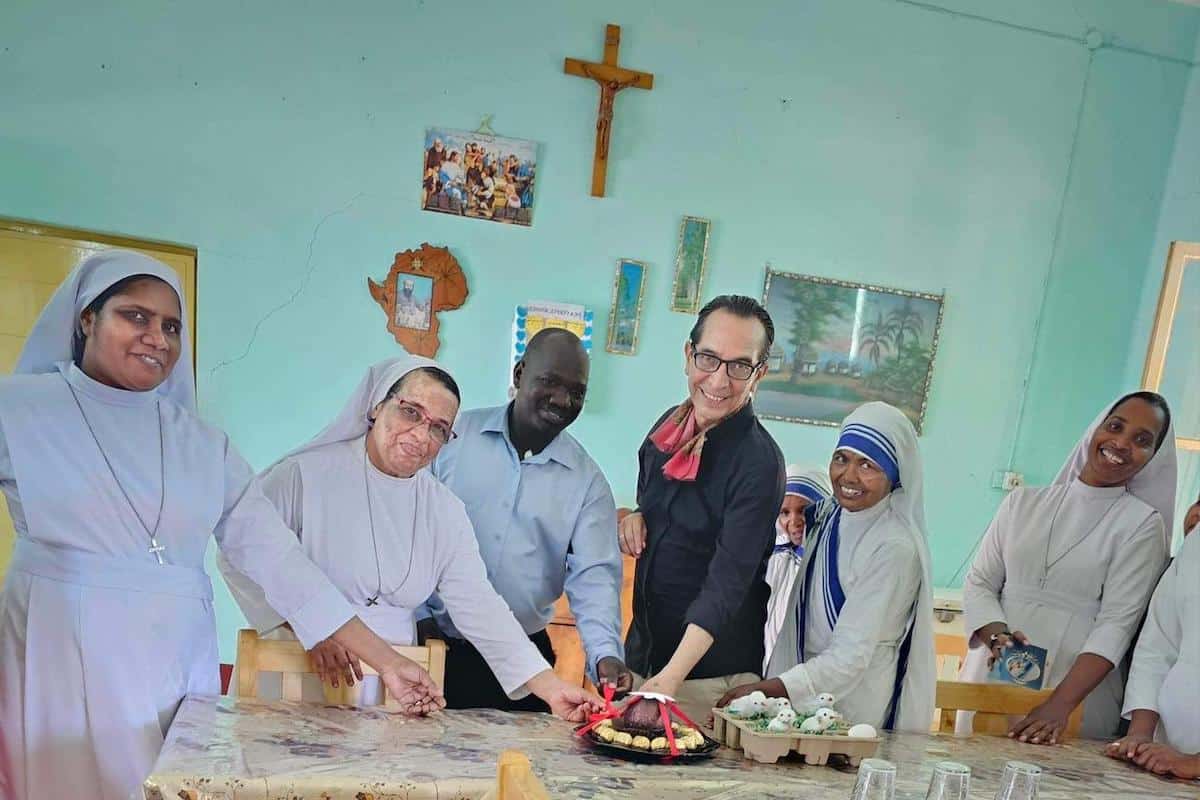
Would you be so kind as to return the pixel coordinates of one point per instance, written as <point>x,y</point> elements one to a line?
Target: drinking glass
<point>1019,781</point>
<point>876,780</point>
<point>950,781</point>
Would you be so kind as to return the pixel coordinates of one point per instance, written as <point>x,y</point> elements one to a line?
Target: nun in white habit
<point>804,489</point>
<point>1070,567</point>
<point>1162,697</point>
<point>115,487</point>
<point>860,621</point>
<point>388,534</point>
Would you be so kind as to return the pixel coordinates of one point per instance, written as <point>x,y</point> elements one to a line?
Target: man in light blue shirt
<point>544,518</point>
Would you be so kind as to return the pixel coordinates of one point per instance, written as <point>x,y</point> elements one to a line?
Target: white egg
<point>863,731</point>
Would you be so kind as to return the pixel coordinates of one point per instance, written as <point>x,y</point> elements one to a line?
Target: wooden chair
<point>993,704</point>
<point>515,779</point>
<point>950,651</point>
<point>255,655</point>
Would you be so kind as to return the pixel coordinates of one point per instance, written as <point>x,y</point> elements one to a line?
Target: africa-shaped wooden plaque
<point>420,284</point>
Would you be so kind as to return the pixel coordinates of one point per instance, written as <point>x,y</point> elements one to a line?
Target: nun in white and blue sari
<point>804,489</point>
<point>860,621</point>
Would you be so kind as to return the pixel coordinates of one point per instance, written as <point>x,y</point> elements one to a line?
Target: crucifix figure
<point>612,79</point>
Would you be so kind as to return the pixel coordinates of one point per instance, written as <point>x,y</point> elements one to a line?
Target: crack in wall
<point>309,268</point>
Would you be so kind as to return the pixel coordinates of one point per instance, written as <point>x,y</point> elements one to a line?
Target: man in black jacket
<point>710,484</point>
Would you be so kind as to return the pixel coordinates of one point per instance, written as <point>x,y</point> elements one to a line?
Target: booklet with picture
<point>1021,665</point>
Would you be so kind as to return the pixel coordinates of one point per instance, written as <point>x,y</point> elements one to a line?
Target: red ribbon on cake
<point>666,718</point>
<point>609,712</point>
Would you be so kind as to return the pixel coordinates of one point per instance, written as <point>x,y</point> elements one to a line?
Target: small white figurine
<point>819,722</point>
<point>777,704</point>
<point>751,705</point>
<point>783,721</point>
<point>862,731</point>
<point>815,704</point>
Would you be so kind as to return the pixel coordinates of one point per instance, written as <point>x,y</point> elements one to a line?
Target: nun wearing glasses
<point>388,534</point>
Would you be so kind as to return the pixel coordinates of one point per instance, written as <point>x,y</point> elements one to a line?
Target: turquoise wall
<point>873,140</point>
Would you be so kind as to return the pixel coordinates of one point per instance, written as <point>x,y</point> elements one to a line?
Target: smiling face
<point>133,341</point>
<point>551,383</point>
<point>858,482</point>
<point>1123,444</point>
<point>728,337</point>
<point>1192,518</point>
<point>791,517</point>
<point>396,445</point>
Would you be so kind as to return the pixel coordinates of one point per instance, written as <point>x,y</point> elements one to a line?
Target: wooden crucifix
<point>612,79</point>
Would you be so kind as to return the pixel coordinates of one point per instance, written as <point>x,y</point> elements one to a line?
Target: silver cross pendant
<point>157,549</point>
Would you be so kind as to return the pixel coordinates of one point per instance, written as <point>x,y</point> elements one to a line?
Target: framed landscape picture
<point>625,316</point>
<point>839,344</point>
<point>691,262</point>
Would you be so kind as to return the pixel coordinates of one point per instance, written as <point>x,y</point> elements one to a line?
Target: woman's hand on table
<point>572,703</point>
<point>1163,759</point>
<point>412,687</point>
<point>1044,725</point>
<point>332,663</point>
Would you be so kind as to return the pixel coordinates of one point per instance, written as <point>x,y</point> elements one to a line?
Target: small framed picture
<point>691,262</point>
<point>414,299</point>
<point>625,317</point>
<point>479,175</point>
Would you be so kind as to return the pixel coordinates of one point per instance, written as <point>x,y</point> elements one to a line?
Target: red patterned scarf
<point>681,437</point>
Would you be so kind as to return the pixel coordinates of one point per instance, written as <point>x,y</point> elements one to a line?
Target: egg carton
<point>767,748</point>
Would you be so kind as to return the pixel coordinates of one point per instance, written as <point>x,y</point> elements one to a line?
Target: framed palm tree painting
<point>839,344</point>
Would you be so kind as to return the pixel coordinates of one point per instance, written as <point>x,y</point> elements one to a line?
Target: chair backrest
<point>288,657</point>
<point>993,704</point>
<point>950,650</point>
